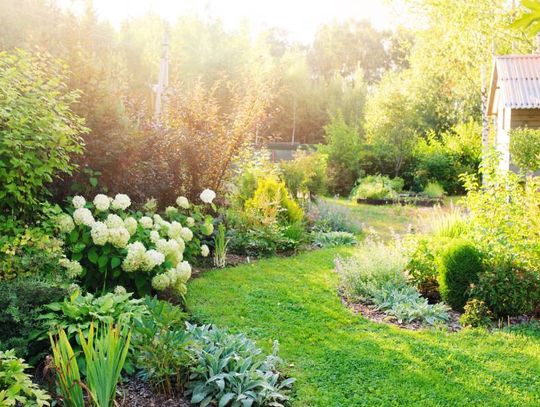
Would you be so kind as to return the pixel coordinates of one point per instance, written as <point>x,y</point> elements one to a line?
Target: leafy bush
<point>21,304</point>
<point>476,314</point>
<point>525,148</point>
<point>459,266</point>
<point>434,190</point>
<point>406,305</point>
<point>508,290</point>
<point>108,245</point>
<point>231,370</point>
<point>422,267</point>
<point>326,216</point>
<point>343,147</point>
<point>331,239</point>
<point>38,130</point>
<point>377,187</point>
<point>16,387</point>
<point>373,266</point>
<point>306,172</point>
<point>77,313</point>
<point>271,202</point>
<point>160,343</point>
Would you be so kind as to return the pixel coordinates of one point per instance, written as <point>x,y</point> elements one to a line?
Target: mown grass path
<point>341,359</point>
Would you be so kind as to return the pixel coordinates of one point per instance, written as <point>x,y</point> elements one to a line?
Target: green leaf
<point>93,181</point>
<point>115,262</point>
<point>102,261</point>
<point>93,255</point>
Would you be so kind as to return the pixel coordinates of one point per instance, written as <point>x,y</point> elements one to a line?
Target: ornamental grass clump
<point>107,244</point>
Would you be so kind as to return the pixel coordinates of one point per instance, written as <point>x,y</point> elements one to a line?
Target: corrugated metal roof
<point>518,78</point>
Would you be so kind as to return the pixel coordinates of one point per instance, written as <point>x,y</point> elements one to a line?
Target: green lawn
<point>341,359</point>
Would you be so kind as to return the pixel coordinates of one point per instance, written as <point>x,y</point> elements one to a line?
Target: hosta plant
<point>107,244</point>
<point>16,387</point>
<point>331,239</point>
<point>230,370</point>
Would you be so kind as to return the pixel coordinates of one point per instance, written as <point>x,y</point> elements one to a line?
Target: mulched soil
<point>375,315</point>
<point>136,393</point>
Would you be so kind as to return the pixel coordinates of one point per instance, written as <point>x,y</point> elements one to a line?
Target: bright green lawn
<point>341,359</point>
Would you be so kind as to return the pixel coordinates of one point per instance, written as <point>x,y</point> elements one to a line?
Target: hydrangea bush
<point>108,244</point>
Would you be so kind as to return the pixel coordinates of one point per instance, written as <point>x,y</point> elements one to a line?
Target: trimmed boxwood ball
<point>459,267</point>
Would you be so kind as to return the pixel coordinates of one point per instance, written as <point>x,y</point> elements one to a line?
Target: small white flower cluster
<point>73,268</point>
<point>65,223</point>
<point>207,196</point>
<point>205,251</point>
<point>138,258</point>
<point>182,202</point>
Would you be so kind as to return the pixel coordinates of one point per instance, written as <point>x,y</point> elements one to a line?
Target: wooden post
<point>163,79</point>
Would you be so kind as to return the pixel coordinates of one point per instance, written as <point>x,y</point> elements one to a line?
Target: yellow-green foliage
<point>272,203</point>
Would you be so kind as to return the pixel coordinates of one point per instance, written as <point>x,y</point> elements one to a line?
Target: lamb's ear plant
<point>220,247</point>
<point>105,352</point>
<point>68,377</point>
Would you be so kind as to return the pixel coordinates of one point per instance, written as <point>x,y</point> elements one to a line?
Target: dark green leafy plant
<point>230,370</point>
<point>332,239</point>
<point>38,130</point>
<point>459,267</point>
<point>160,343</point>
<point>16,387</point>
<point>476,314</point>
<point>21,304</point>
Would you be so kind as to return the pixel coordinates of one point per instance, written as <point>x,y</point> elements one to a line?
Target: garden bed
<point>375,315</point>
<point>423,202</point>
<point>136,393</point>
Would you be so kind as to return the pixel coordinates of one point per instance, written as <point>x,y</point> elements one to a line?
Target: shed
<point>514,99</point>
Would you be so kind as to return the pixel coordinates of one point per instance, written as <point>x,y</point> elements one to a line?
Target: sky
<point>300,18</point>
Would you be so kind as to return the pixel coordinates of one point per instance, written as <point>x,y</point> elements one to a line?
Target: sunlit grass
<point>341,359</point>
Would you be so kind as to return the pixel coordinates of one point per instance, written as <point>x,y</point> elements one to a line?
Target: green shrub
<point>508,290</point>
<point>38,130</point>
<point>377,187</point>
<point>231,370</point>
<point>422,266</point>
<point>16,387</point>
<point>160,343</point>
<point>525,148</point>
<point>434,190</point>
<point>108,245</point>
<point>372,266</point>
<point>306,172</point>
<point>332,239</point>
<point>476,315</point>
<point>21,303</point>
<point>326,216</point>
<point>459,267</point>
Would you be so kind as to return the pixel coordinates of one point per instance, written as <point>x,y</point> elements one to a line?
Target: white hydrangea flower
<point>134,257</point>
<point>146,222</point>
<point>181,244</point>
<point>205,251</point>
<point>83,216</point>
<point>73,267</point>
<point>65,223</point>
<point>102,202</point>
<point>161,282</point>
<point>175,230</point>
<point>190,221</point>
<point>154,236</point>
<point>78,202</point>
<point>121,201</point>
<point>130,224</point>
<point>114,221</point>
<point>120,290</point>
<point>171,210</point>
<point>207,196</point>
<point>207,229</point>
<point>182,202</point>
<point>184,271</point>
<point>180,288</point>
<point>186,234</point>
<point>170,249</point>
<point>99,233</point>
<point>152,258</point>
<point>119,237</point>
